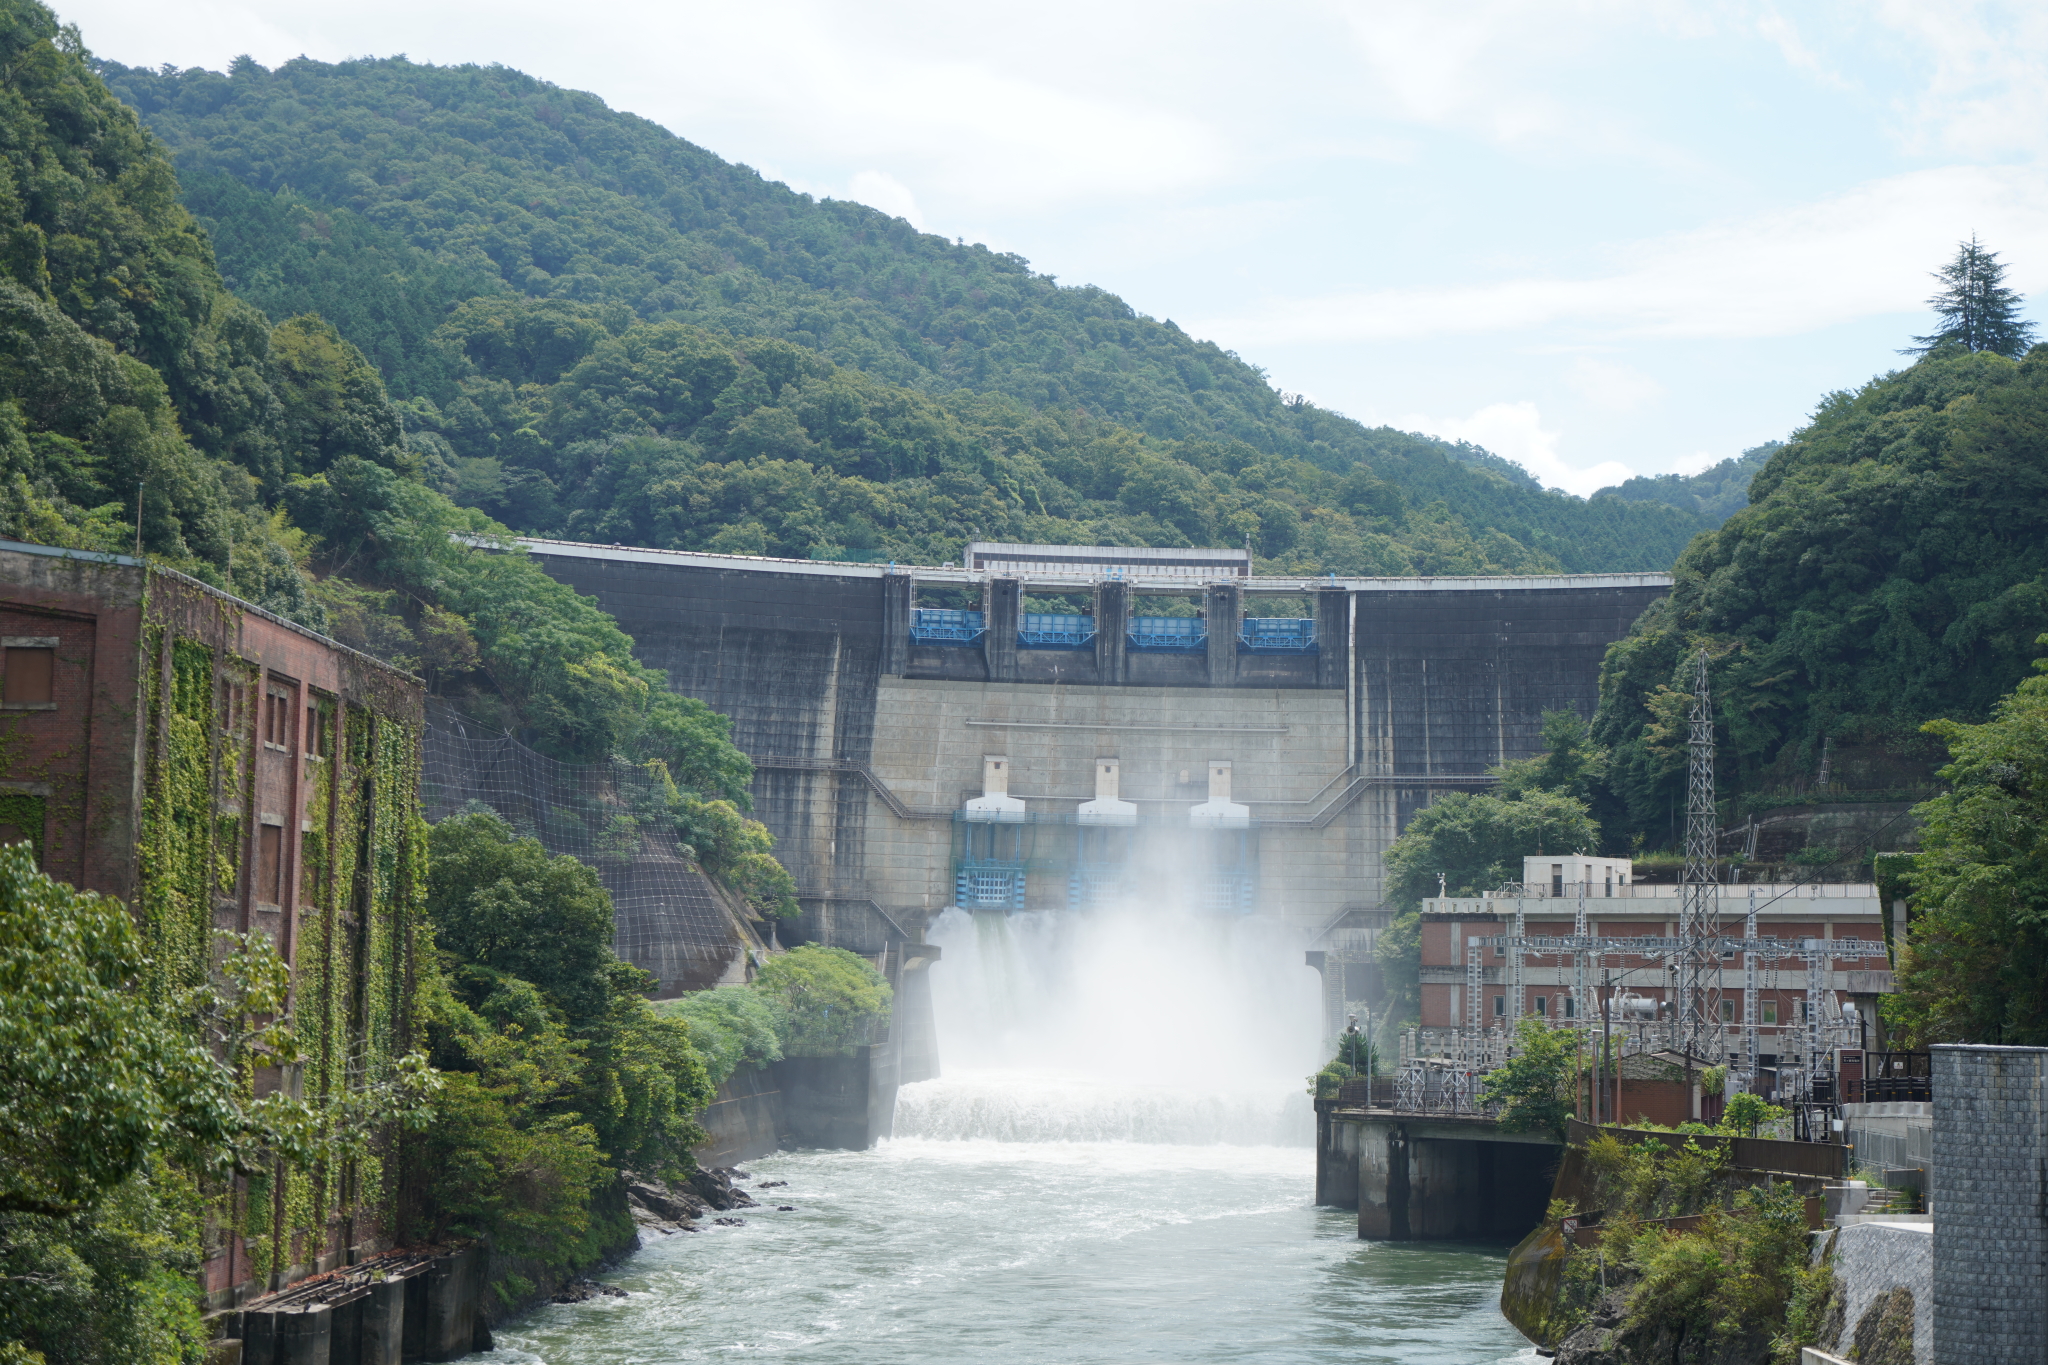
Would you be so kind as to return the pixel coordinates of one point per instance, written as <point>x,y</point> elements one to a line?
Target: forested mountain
<point>1716,493</point>
<point>599,330</point>
<point>267,458</point>
<point>1891,568</point>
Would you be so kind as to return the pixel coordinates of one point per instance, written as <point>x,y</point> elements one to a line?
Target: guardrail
<point>1829,1160</point>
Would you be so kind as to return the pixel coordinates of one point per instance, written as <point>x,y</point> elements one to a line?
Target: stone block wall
<point>1990,1204</point>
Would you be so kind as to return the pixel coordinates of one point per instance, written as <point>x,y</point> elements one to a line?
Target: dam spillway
<point>872,736</point>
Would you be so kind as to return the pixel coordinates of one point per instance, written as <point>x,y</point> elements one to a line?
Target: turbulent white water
<point>1025,1106</point>
<point>1019,1253</point>
<point>1116,1166</point>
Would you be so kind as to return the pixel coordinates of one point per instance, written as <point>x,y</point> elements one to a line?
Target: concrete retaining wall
<point>1876,1258</point>
<point>745,1120</point>
<point>843,1103</point>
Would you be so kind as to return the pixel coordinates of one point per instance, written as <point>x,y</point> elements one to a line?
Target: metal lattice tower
<point>1752,1063</point>
<point>1699,907</point>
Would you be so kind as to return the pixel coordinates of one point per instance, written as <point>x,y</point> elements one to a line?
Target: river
<point>1115,1167</point>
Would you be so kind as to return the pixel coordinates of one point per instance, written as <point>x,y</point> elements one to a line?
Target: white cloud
<point>880,190</point>
<point>1515,431</point>
<point>1985,87</point>
<point>1855,255</point>
<point>1616,388</point>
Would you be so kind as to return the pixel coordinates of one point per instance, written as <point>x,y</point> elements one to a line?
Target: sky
<point>1600,239</point>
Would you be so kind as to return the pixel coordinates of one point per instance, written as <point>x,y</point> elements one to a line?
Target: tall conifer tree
<point>1978,313</point>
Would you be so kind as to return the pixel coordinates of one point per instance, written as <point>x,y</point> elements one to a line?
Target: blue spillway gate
<point>1161,634</point>
<point>1277,635</point>
<point>1051,630</point>
<point>942,626</point>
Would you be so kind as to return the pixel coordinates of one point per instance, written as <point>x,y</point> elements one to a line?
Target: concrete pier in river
<point>1443,1177</point>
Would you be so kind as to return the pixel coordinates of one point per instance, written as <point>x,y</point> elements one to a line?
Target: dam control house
<point>1049,726</point>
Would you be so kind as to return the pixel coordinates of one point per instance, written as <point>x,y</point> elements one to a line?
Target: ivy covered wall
<point>280,799</point>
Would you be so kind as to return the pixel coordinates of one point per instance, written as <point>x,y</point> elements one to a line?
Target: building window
<point>30,673</point>
<point>1500,1006</point>
<point>1727,1011</point>
<point>319,731</point>
<point>277,718</point>
<point>269,865</point>
<point>1557,879</point>
<point>1571,1007</point>
<point>1542,1005</point>
<point>1805,1011</point>
<point>1770,1009</point>
<point>234,706</point>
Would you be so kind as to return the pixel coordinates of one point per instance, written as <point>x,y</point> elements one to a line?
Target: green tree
<point>1571,764</point>
<point>500,903</point>
<point>510,1153</point>
<point>1978,312</point>
<point>735,850</point>
<point>333,403</point>
<point>529,945</point>
<point>1748,1112</point>
<point>1536,1085</point>
<point>1475,841</point>
<point>93,1076</point>
<point>118,1110</point>
<point>730,1028</point>
<point>829,1001</point>
<point>1974,967</point>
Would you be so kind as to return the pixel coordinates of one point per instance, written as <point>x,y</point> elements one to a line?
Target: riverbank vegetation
<point>558,1076</point>
<point>126,1113</point>
<point>812,1001</point>
<point>1688,1263</point>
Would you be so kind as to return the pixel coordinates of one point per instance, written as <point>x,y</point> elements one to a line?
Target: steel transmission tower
<point>1699,905</point>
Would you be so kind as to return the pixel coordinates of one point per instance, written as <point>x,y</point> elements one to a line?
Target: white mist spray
<point>1136,1022</point>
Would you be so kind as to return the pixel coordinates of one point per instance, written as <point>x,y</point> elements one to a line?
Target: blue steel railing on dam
<point>941,626</point>
<point>1168,633</point>
<point>1051,630</point>
<point>1277,635</point>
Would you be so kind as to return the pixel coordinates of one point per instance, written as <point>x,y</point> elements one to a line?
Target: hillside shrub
<point>830,1001</point>
<point>730,1028</point>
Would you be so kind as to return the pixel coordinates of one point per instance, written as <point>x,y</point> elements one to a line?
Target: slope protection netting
<point>611,816</point>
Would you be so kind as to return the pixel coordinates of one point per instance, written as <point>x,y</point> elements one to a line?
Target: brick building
<point>1637,989</point>
<point>222,770</point>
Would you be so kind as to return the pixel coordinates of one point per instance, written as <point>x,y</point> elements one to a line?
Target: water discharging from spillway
<point>1125,1024</point>
<point>1115,1166</point>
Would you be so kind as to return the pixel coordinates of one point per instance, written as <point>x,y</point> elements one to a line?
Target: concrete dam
<point>1044,727</point>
